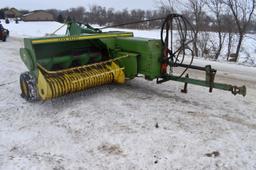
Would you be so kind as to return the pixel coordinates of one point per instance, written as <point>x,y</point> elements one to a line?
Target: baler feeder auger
<point>87,57</point>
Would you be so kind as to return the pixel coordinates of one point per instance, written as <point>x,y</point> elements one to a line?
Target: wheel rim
<point>24,88</point>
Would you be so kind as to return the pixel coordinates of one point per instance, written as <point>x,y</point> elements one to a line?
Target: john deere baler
<point>87,57</point>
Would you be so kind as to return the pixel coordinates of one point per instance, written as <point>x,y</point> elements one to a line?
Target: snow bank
<point>33,29</point>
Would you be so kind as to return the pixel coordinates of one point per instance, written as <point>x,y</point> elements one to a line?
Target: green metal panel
<point>26,57</point>
<point>110,43</point>
<point>150,53</point>
<point>62,54</point>
<point>73,29</point>
<point>83,37</point>
<point>129,64</point>
<point>66,54</point>
<point>56,49</point>
<point>47,48</point>
<point>77,29</point>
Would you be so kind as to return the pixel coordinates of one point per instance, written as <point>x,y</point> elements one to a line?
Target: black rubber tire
<point>28,87</point>
<point>4,39</point>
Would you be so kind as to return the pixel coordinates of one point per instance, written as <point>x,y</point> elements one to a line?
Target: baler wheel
<point>28,87</point>
<point>4,39</point>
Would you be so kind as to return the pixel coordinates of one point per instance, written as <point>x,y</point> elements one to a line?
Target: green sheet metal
<point>149,54</point>
<point>66,51</point>
<point>129,63</point>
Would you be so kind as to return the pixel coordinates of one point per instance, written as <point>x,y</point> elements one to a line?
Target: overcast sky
<point>66,4</point>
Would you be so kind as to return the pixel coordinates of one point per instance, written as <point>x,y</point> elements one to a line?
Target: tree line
<point>228,18</point>
<point>225,17</point>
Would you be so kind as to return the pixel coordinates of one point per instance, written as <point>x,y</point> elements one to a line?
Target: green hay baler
<point>87,57</point>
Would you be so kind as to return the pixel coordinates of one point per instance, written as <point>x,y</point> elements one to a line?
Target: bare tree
<point>203,41</point>
<point>77,13</point>
<point>167,6</point>
<point>54,12</point>
<point>227,26</point>
<point>217,8</point>
<point>196,8</point>
<point>242,11</point>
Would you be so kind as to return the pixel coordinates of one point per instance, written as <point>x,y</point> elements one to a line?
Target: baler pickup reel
<point>53,84</point>
<point>87,57</point>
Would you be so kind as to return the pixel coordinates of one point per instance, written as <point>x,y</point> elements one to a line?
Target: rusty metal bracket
<point>185,89</point>
<point>210,76</point>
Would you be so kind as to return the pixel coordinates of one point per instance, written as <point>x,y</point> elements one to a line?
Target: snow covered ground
<point>139,125</point>
<point>32,29</point>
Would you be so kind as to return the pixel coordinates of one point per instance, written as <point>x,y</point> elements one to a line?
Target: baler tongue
<point>52,84</point>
